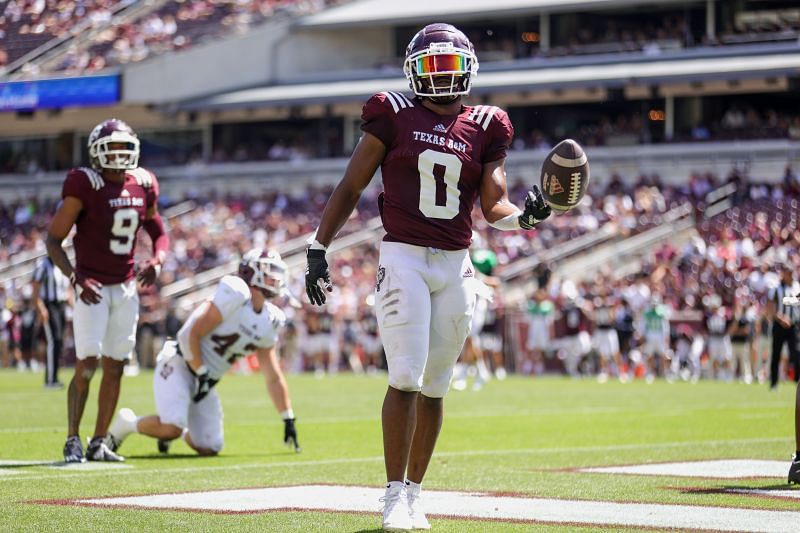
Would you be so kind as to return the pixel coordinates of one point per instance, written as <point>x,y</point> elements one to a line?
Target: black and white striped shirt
<point>776,295</point>
<point>53,284</point>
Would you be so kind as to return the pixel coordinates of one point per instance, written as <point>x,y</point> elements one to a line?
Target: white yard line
<point>471,506</point>
<point>722,468</point>
<point>466,453</point>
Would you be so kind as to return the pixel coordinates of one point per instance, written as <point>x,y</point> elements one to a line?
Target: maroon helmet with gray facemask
<point>123,155</point>
<point>440,62</point>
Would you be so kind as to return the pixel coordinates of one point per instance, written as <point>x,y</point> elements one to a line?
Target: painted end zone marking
<point>767,493</point>
<point>89,465</point>
<point>11,467</point>
<point>723,469</point>
<point>463,505</point>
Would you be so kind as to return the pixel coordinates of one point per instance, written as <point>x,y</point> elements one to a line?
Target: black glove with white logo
<point>536,209</point>
<point>202,386</point>
<point>290,435</point>
<point>317,270</point>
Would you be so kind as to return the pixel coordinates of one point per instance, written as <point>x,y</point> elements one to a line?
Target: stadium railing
<point>191,291</point>
<point>46,55</point>
<point>22,264</point>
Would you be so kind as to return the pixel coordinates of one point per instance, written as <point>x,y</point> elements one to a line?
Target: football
<point>565,176</point>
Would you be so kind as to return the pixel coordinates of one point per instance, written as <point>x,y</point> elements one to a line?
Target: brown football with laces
<point>565,176</point>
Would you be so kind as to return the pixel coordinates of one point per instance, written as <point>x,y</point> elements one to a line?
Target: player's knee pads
<point>215,446</point>
<point>405,378</point>
<point>437,386</point>
<point>438,373</point>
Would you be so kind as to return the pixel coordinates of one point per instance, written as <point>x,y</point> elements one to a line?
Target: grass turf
<point>521,435</point>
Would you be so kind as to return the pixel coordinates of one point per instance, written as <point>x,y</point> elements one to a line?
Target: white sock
<point>136,424</point>
<point>413,487</point>
<point>483,371</point>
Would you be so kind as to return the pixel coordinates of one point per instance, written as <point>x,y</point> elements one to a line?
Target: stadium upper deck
<point>609,72</point>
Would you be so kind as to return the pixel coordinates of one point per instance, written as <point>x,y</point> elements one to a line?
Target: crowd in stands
<point>724,272</point>
<point>28,24</point>
<point>172,26</point>
<point>179,25</point>
<point>736,249</point>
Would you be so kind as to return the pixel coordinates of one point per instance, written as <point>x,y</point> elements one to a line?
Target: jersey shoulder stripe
<point>482,114</point>
<point>143,177</point>
<point>398,101</point>
<point>94,178</point>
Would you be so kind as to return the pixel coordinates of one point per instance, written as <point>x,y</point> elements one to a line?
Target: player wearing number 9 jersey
<point>107,203</point>
<point>437,157</point>
<point>239,320</point>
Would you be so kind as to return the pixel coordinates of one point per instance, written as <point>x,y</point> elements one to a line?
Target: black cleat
<point>163,445</point>
<point>794,470</point>
<point>98,450</point>
<point>73,450</point>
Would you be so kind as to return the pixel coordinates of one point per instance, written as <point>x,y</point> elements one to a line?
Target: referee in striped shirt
<point>785,323</point>
<point>50,291</point>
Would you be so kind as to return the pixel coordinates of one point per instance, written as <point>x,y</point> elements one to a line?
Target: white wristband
<point>508,222</point>
<point>201,371</point>
<point>316,245</point>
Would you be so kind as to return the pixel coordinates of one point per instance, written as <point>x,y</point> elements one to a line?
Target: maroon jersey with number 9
<point>106,227</point>
<point>433,166</point>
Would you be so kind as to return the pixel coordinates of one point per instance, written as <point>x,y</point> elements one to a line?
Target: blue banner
<point>58,93</point>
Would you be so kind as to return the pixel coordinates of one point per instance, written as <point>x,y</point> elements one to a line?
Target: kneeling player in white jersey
<point>237,321</point>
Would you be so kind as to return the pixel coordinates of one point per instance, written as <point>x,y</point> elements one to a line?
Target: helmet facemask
<point>265,271</point>
<point>441,71</point>
<point>113,146</point>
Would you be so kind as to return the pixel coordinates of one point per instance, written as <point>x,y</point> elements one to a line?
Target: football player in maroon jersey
<point>107,203</point>
<point>437,157</point>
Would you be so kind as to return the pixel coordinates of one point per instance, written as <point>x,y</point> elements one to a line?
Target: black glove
<point>290,435</point>
<point>202,386</point>
<point>89,290</point>
<point>317,270</point>
<point>536,209</point>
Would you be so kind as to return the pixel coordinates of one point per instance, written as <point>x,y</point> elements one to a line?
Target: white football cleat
<point>395,508</point>
<point>415,511</point>
<point>124,424</point>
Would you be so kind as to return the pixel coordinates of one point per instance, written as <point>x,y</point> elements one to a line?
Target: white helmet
<point>108,132</point>
<point>265,270</point>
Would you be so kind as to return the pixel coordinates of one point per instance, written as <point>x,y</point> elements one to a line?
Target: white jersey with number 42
<point>241,332</point>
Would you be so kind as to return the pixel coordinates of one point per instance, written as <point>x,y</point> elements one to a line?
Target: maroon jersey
<point>107,225</point>
<point>433,166</point>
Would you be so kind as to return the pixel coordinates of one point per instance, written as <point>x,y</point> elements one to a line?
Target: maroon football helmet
<point>113,131</point>
<point>440,62</point>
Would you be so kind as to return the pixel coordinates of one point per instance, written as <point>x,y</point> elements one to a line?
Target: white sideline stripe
<point>568,163</point>
<point>88,466</point>
<point>472,505</point>
<point>789,493</point>
<point>726,468</point>
<point>466,453</point>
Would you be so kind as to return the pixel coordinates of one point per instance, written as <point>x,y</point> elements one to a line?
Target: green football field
<point>523,437</point>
